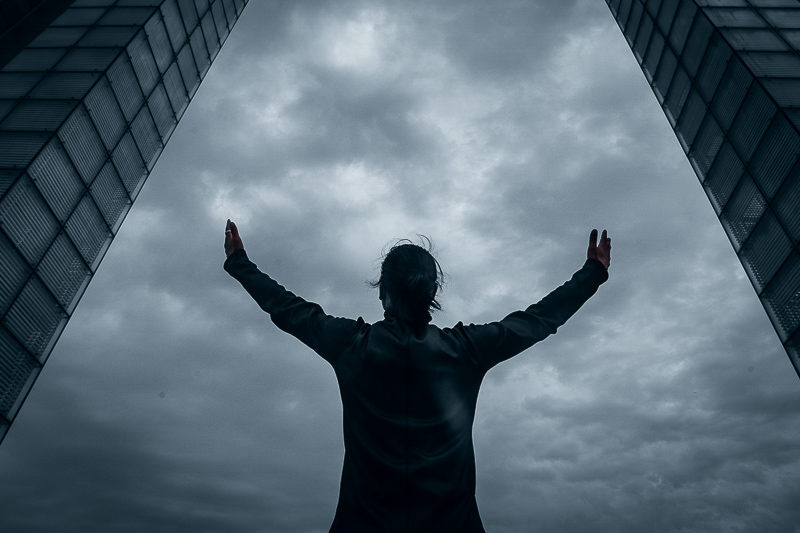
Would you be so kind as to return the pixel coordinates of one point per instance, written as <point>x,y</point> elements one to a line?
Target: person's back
<point>409,389</point>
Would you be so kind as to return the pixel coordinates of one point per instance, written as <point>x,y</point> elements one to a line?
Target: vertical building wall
<point>90,92</point>
<point>727,74</point>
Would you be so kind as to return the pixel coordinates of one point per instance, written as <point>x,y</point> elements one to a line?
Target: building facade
<point>727,75</point>
<point>90,92</point>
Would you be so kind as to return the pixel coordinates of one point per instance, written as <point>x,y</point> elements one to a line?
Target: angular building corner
<point>727,75</point>
<point>90,92</point>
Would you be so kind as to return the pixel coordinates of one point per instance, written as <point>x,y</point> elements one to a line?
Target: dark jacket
<point>408,396</point>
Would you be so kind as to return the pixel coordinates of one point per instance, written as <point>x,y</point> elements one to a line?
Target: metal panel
<point>785,92</point>
<point>125,86</point>
<point>18,149</point>
<point>129,16</point>
<point>143,63</point>
<point>110,196</point>
<point>765,251</point>
<point>696,44</point>
<point>772,64</point>
<point>146,136</point>
<point>713,66</point>
<point>129,164</point>
<point>682,25</point>
<point>731,92</point>
<point>174,24</point>
<point>63,272</point>
<point>653,55</point>
<point>751,122</point>
<point>753,39</point>
<point>782,297</point>
<point>79,16</point>
<point>162,112</point>
<point>35,60</point>
<point>783,18</point>
<point>106,114</point>
<point>741,17</point>
<point>175,90</point>
<point>664,74</point>
<point>220,22</point>
<point>743,211</point>
<point>18,371</point>
<point>38,115</point>
<point>667,15</point>
<point>14,271</point>
<point>787,204</point>
<point>28,222</point>
<point>57,180</point>
<point>58,37</point>
<point>35,318</point>
<point>706,145</point>
<point>72,85</point>
<point>83,144</point>
<point>17,84</point>
<point>200,51</point>
<point>188,14</point>
<point>191,78</point>
<point>116,36</point>
<point>88,231</point>
<point>87,59</point>
<point>723,176</point>
<point>159,41</point>
<point>643,37</point>
<point>691,117</point>
<point>776,155</point>
<point>633,21</point>
<point>210,35</point>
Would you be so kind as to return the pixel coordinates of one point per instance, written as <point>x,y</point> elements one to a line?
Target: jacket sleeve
<point>495,342</point>
<point>325,334</point>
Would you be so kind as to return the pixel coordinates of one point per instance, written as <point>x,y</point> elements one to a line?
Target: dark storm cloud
<point>506,132</point>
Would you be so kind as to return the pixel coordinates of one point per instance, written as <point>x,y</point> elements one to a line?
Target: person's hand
<point>600,251</point>
<point>232,240</point>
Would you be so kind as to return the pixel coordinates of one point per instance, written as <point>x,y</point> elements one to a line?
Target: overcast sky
<point>505,131</point>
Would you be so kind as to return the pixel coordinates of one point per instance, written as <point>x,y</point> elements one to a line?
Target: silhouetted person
<point>409,388</point>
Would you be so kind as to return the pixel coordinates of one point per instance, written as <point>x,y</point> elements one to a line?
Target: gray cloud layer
<point>505,132</point>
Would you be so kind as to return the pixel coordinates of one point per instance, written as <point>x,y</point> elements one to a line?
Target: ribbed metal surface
<point>63,271</point>
<point>83,144</point>
<point>57,180</point>
<point>105,113</point>
<point>14,271</point>
<point>35,318</point>
<point>27,220</point>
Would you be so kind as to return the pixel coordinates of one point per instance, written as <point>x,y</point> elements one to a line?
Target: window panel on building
<point>125,86</point>
<point>159,42</point>
<point>88,231</point>
<point>731,92</point>
<point>18,370</point>
<point>724,175</point>
<point>110,196</point>
<point>696,43</point>
<point>35,318</point>
<point>14,272</point>
<point>743,211</point>
<point>79,137</point>
<point>682,25</point>
<point>27,220</point>
<point>751,122</point>
<point>63,271</point>
<point>105,113</point>
<point>786,204</point>
<point>129,164</point>
<point>712,67</point>
<point>70,85</point>
<point>144,65</point>
<point>776,155</point>
<point>56,179</point>
<point>765,251</point>
<point>782,297</point>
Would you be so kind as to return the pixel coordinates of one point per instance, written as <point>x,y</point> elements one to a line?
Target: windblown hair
<point>411,277</point>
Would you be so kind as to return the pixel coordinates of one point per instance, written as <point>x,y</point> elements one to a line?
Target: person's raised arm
<point>232,240</point>
<point>602,251</point>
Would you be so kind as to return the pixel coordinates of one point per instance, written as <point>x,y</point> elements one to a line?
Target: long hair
<point>411,277</point>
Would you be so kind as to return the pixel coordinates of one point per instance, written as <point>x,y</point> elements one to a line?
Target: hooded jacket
<point>409,393</point>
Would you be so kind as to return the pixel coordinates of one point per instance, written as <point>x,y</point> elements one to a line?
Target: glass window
<point>88,231</point>
<point>147,139</point>
<point>787,203</point>
<point>691,117</point>
<point>751,122</point>
<point>106,114</point>
<point>63,271</point>
<point>159,41</point>
<point>753,39</point>
<point>765,251</point>
<point>56,179</point>
<point>696,44</point>
<point>38,115</point>
<point>35,318</point>
<point>110,196</point>
<point>705,147</point>
<point>743,211</point>
<point>667,14</point>
<point>725,173</point>
<point>776,155</point>
<point>143,63</point>
<point>126,87</point>
<point>681,25</point>
<point>27,220</point>
<point>175,90</point>
<point>174,24</point>
<point>129,165</point>
<point>14,271</point>
<point>188,68</point>
<point>83,144</point>
<point>731,92</point>
<point>782,298</point>
<point>713,66</point>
